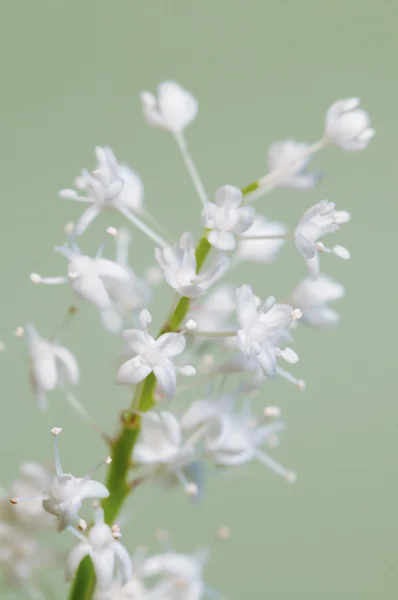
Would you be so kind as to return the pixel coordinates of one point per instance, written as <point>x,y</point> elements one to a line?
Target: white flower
<point>106,553</point>
<point>263,330</point>
<point>348,126</point>
<point>211,312</point>
<point>312,297</point>
<point>173,109</point>
<point>161,446</point>
<point>64,496</point>
<point>320,219</point>
<point>89,278</point>
<point>233,438</point>
<point>110,185</point>
<point>20,556</point>
<point>178,264</point>
<point>181,575</point>
<point>153,356</point>
<point>261,251</point>
<point>33,479</point>
<point>51,365</point>
<point>226,218</point>
<point>288,161</point>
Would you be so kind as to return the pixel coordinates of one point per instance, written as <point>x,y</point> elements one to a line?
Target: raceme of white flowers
<point>217,331</point>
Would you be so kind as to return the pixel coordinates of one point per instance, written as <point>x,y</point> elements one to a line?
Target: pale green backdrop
<point>71,73</point>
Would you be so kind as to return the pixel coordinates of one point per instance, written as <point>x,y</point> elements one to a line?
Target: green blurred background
<point>71,74</point>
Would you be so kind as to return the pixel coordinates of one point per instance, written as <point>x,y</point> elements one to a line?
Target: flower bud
<point>348,126</point>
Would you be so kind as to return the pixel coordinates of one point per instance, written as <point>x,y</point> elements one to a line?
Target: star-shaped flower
<point>152,355</point>
<point>226,218</point>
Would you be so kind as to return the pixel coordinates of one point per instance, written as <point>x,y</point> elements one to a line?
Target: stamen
<point>55,431</point>
<point>272,412</point>
<point>19,332</point>
<point>223,533</point>
<point>87,477</point>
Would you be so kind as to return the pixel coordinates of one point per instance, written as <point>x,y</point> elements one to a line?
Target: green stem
<point>122,448</point>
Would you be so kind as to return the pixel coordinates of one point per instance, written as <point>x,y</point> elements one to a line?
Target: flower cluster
<point>224,336</point>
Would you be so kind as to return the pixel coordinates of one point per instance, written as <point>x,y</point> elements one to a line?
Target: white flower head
<point>226,218</point>
<point>90,279</point>
<point>317,221</point>
<point>110,185</point>
<point>107,553</point>
<point>348,126</point>
<point>263,330</point>
<point>20,556</point>
<point>51,365</point>
<point>173,109</point>
<point>178,264</point>
<point>161,446</point>
<point>65,494</point>
<point>233,438</point>
<point>313,297</point>
<point>30,516</point>
<point>288,161</point>
<point>181,575</point>
<point>153,355</point>
<point>261,251</point>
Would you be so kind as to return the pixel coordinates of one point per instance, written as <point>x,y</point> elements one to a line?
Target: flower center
<point>63,488</point>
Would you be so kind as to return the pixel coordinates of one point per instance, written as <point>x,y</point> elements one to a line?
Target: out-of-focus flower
<point>178,264</point>
<point>312,298</point>
<point>317,221</point>
<point>153,356</point>
<point>161,446</point>
<point>89,278</point>
<point>51,365</point>
<point>348,126</point>
<point>288,161</point>
<point>181,575</point>
<point>233,438</point>
<point>173,109</point>
<point>110,185</point>
<point>30,516</point>
<point>226,218</point>
<point>20,557</point>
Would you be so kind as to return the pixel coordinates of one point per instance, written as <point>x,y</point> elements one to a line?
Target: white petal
<point>222,240</point>
<point>75,557</point>
<point>144,454</point>
<point>177,106</point>
<point>44,367</point>
<point>92,289</point>
<point>246,308</point>
<point>104,565</point>
<point>289,355</point>
<point>172,426</point>
<point>111,270</point>
<point>68,363</point>
<point>94,489</point>
<point>171,344</point>
<point>228,195</point>
<point>133,371</point>
<point>166,376</point>
<point>136,339</point>
<point>86,219</point>
<point>124,560</point>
